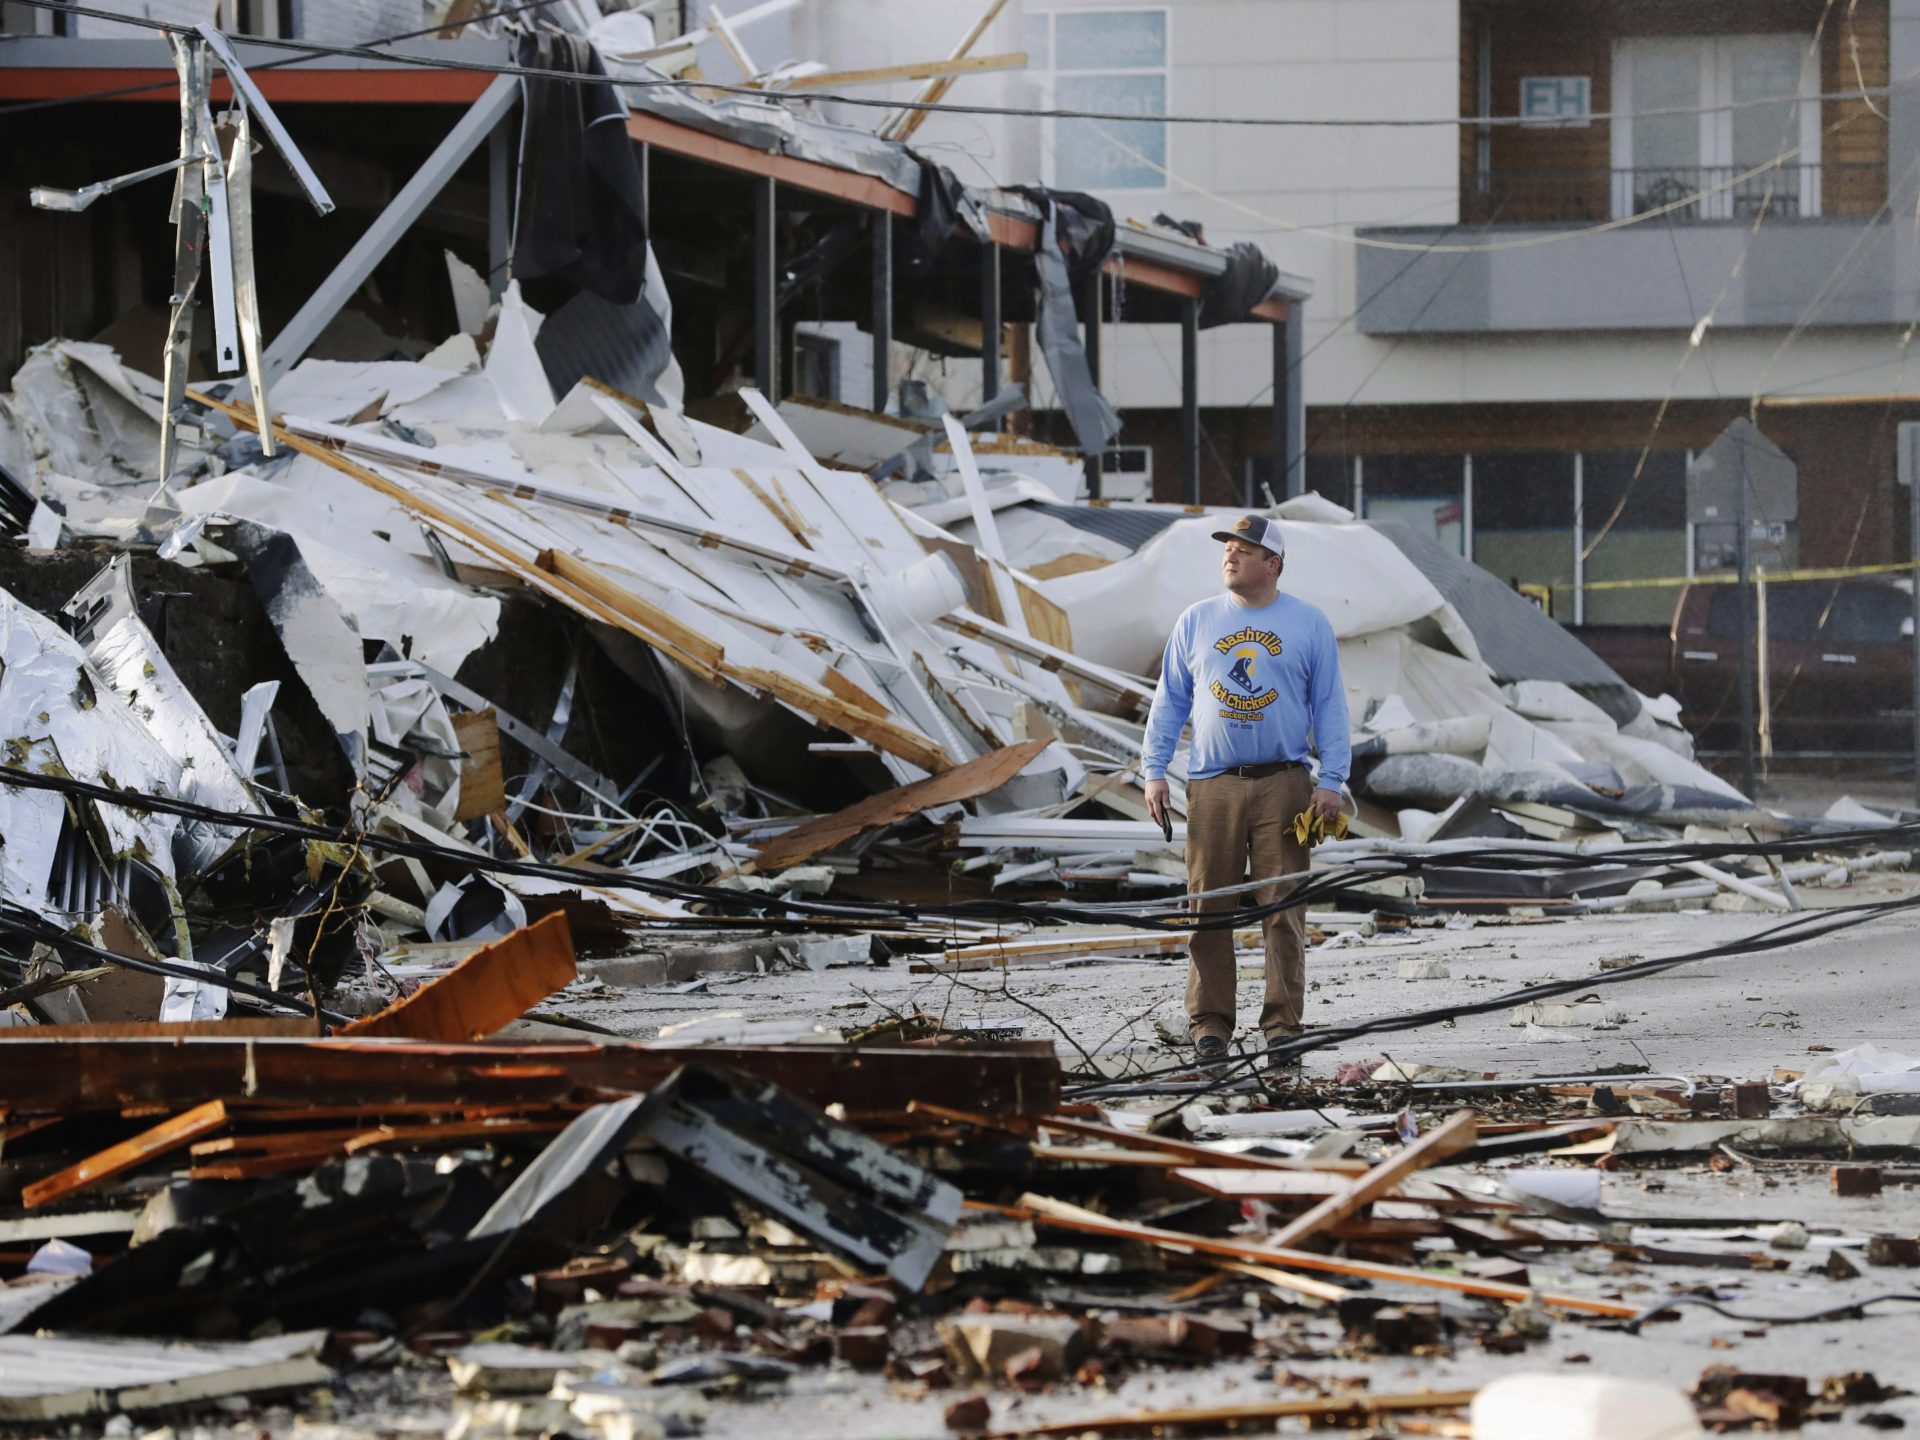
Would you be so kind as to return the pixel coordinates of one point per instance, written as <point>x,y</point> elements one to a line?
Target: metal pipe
<point>1190,401</point>
<point>766,328</point>
<point>1093,298</point>
<point>880,229</point>
<point>989,322</point>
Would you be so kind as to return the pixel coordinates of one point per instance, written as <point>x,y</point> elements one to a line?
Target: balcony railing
<point>1698,193</point>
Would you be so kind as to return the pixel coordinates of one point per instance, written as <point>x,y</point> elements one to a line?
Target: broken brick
<point>715,1324</point>
<point>1855,1180</point>
<point>1034,1368</point>
<point>969,1415</point>
<point>1902,1251</point>
<point>1840,1266</point>
<point>1856,1387</point>
<point>865,1347</point>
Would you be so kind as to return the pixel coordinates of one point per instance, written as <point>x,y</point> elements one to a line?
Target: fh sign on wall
<point>1560,101</point>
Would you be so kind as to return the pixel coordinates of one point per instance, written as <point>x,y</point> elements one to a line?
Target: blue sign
<point>1559,101</point>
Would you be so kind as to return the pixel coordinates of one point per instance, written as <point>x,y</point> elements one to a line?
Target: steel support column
<point>880,227</point>
<point>1289,407</point>
<point>1190,401</point>
<point>766,327</point>
<point>1093,296</point>
<point>500,146</point>
<point>989,323</point>
<point>480,121</point>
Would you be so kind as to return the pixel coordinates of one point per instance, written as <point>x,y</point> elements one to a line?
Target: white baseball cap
<point>1255,530</point>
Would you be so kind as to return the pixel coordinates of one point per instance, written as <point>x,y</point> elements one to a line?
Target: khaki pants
<point>1232,820</point>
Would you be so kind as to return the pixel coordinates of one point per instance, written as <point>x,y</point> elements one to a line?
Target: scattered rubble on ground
<point>296,1101</point>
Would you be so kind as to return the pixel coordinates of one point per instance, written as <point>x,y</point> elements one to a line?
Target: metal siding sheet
<point>1516,640</point>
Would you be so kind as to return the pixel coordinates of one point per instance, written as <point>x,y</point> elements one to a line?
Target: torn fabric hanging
<point>582,223</point>
<point>583,209</point>
<point>1248,279</point>
<point>1095,422</point>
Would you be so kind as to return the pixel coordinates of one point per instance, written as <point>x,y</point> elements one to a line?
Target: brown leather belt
<point>1260,772</point>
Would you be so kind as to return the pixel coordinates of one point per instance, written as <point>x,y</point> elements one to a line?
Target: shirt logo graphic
<point>1265,639</point>
<point>1242,672</point>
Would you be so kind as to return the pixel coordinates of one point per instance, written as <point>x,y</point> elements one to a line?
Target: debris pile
<point>599,1238</point>
<point>338,738</point>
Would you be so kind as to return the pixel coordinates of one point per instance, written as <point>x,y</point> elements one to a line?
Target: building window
<point>1523,523</point>
<point>1112,62</point>
<point>1690,120</point>
<point>1633,530</point>
<point>1426,493</point>
<point>816,365</point>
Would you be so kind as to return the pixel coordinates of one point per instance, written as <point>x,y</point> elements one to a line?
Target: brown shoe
<point>1210,1049</point>
<point>1283,1064</point>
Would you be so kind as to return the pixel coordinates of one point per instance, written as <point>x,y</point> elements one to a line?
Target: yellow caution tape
<point>1730,577</point>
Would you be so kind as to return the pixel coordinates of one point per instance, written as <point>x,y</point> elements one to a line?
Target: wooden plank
<point>62,1076</point>
<point>483,783</point>
<point>964,782</point>
<point>1124,942</point>
<point>1186,1152</point>
<point>1453,1136</point>
<point>1307,1186</point>
<point>1071,1217</point>
<point>579,573</point>
<point>902,125</point>
<point>458,1132</point>
<point>451,521</point>
<point>167,1136</point>
<point>1225,1417</point>
<point>916,70</point>
<point>239,1025</point>
<point>492,987</point>
<point>810,175</point>
<point>1313,1289</point>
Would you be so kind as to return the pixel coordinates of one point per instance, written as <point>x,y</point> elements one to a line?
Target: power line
<point>767,96</point>
<point>1525,242</point>
<point>122,91</point>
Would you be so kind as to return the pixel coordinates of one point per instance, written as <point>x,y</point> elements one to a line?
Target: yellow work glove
<point>1310,827</point>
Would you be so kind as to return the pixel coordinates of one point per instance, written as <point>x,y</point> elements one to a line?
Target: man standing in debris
<point>1266,670</point>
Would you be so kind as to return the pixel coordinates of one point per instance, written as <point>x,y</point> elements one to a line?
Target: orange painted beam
<point>291,84</point>
<point>809,175</point>
<point>1009,231</point>
<point>492,987</point>
<point>167,1136</point>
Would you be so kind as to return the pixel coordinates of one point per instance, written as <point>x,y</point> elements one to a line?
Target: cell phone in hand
<point>1166,825</point>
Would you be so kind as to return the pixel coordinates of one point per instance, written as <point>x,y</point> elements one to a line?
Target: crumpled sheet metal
<point>390,588</point>
<point>73,409</point>
<point>53,713</point>
<point>126,655</point>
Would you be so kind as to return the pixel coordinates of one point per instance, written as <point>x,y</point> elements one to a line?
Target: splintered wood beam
<point>1182,1152</point>
<point>1224,1417</point>
<point>460,1132</point>
<point>167,1136</point>
<point>1063,1216</point>
<point>64,1076</point>
<point>491,988</point>
<point>976,777</point>
<point>1306,1285</point>
<point>1450,1139</point>
<point>886,74</point>
<point>590,592</point>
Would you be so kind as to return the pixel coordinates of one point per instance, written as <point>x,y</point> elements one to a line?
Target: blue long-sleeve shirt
<point>1258,685</point>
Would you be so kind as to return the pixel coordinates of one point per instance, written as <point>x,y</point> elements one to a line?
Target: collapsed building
<point>348,697</point>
